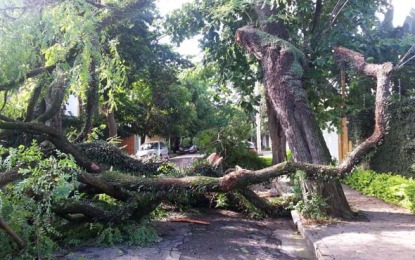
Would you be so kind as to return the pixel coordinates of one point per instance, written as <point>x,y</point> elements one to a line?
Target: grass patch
<point>267,161</point>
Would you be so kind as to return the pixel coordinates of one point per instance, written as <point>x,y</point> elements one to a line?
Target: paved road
<point>227,236</point>
<point>185,160</point>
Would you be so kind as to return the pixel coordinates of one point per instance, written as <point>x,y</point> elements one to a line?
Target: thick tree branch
<point>5,101</point>
<point>32,103</point>
<point>56,138</point>
<point>9,85</point>
<point>263,204</point>
<point>382,73</point>
<point>118,14</point>
<point>235,180</point>
<point>108,154</point>
<point>103,185</point>
<point>57,95</point>
<point>91,212</point>
<point>12,234</point>
<point>6,119</point>
<point>317,14</point>
<point>91,103</point>
<point>10,176</point>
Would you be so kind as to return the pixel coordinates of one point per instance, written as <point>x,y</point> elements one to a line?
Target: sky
<point>401,8</point>
<point>190,47</point>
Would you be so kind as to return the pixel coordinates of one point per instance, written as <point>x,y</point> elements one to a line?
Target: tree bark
<point>108,154</point>
<point>91,104</point>
<point>262,204</point>
<point>110,116</point>
<point>270,24</point>
<point>382,73</point>
<point>10,175</point>
<point>132,210</point>
<point>277,135</point>
<point>34,98</point>
<point>237,179</point>
<point>33,73</point>
<point>282,67</point>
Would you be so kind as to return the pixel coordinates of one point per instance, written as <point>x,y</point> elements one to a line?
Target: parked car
<point>251,146</point>
<point>153,149</point>
<point>187,149</point>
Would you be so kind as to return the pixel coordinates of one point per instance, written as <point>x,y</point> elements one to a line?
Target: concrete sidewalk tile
<point>320,249</point>
<point>389,233</point>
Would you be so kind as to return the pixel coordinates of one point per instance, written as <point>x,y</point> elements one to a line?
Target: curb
<point>321,251</point>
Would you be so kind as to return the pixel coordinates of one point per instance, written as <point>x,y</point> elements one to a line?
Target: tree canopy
<point>314,28</point>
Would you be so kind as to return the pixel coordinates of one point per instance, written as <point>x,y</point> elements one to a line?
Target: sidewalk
<point>389,233</point>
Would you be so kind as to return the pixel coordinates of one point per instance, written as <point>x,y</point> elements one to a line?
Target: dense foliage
<point>354,25</point>
<point>396,154</point>
<point>390,187</point>
<point>29,207</point>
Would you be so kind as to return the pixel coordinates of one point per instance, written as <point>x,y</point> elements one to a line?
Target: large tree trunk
<point>276,132</point>
<point>282,67</point>
<point>277,135</point>
<point>112,125</point>
<point>110,116</point>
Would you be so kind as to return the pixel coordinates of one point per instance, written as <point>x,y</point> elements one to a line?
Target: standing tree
<point>291,51</point>
<point>282,65</point>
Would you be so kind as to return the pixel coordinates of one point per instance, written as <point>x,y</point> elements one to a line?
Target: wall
<point>397,152</point>
<point>72,106</point>
<point>128,144</point>
<point>332,141</point>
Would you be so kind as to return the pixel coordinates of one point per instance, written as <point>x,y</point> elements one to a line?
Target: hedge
<point>392,188</point>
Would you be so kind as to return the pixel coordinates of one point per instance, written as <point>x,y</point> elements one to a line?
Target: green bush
<point>313,208</point>
<point>26,205</point>
<point>395,189</point>
<point>267,161</point>
<point>241,156</point>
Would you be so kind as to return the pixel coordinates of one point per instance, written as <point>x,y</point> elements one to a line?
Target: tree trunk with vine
<point>282,67</point>
<point>276,132</point>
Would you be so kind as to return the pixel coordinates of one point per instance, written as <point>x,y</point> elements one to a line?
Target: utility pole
<point>344,144</point>
<point>258,121</point>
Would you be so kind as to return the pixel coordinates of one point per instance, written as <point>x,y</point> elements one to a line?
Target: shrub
<point>267,161</point>
<point>392,188</point>
<point>241,156</point>
<point>26,205</point>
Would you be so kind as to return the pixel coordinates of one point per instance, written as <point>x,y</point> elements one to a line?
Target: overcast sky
<point>189,47</point>
<point>402,8</point>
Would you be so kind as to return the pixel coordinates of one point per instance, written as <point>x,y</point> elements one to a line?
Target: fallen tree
<point>140,193</point>
<point>242,178</point>
<point>96,182</point>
